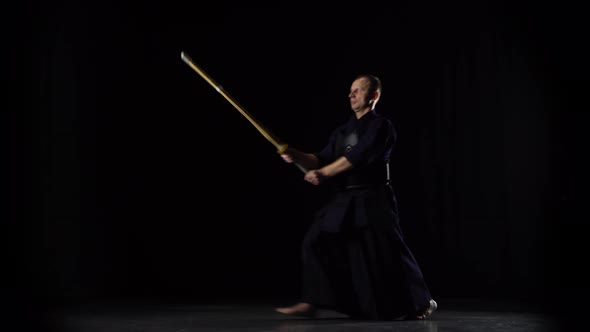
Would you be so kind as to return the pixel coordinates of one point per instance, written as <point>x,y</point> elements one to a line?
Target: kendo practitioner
<point>354,257</point>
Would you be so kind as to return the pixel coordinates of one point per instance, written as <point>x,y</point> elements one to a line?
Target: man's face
<point>359,94</point>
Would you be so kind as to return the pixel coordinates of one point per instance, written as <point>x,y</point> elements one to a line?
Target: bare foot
<point>299,309</point>
<point>427,312</point>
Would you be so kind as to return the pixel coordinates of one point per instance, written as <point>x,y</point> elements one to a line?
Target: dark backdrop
<point>141,181</point>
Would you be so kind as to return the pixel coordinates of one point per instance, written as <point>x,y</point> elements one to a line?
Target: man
<point>354,256</point>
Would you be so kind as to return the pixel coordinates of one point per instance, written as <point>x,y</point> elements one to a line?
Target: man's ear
<point>374,98</point>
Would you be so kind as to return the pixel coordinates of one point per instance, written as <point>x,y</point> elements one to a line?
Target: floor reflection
<point>327,325</point>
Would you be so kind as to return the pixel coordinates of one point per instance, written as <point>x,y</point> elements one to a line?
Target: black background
<point>141,181</point>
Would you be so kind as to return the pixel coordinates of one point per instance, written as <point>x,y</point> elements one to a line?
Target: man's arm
<point>336,167</point>
<point>307,160</point>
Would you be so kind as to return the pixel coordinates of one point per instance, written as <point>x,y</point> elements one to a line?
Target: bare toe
<point>299,309</point>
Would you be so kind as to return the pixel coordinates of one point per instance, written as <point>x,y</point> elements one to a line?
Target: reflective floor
<point>259,317</point>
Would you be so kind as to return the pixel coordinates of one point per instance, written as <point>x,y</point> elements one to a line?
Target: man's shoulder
<point>382,119</point>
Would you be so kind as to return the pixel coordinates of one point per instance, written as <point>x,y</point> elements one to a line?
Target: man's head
<point>365,91</point>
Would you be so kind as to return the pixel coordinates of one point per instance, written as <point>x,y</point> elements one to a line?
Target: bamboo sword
<point>281,147</point>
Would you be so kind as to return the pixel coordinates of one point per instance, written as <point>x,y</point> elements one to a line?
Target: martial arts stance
<point>354,256</point>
